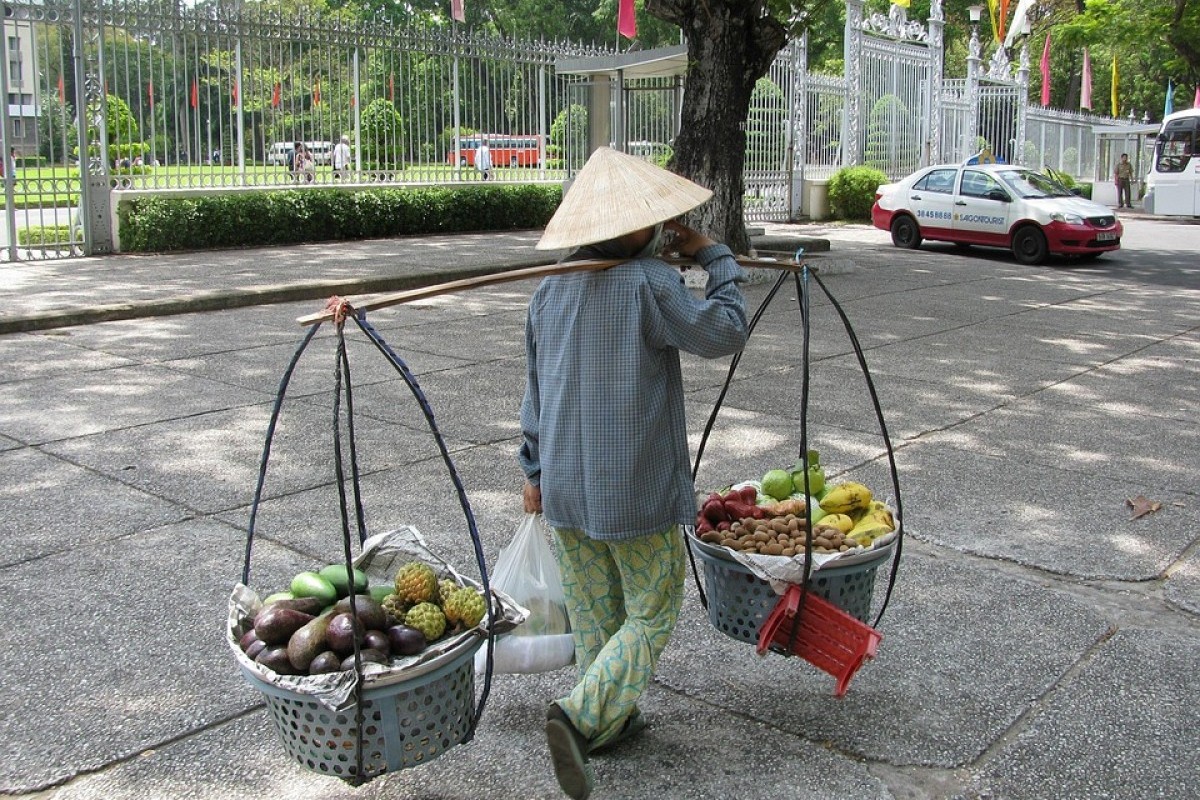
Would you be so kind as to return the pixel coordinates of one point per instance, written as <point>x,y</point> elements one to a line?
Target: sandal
<point>568,753</point>
<point>635,723</point>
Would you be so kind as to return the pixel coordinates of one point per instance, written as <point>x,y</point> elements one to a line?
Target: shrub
<point>852,191</point>
<point>289,216</point>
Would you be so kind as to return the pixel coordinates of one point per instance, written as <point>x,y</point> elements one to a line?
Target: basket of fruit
<point>413,625</point>
<point>366,665</point>
<point>746,540</point>
<point>789,563</point>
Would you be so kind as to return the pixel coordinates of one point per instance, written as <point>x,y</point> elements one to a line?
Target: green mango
<point>336,574</point>
<point>310,584</point>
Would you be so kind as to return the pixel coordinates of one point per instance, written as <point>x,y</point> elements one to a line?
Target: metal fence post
<point>971,127</point>
<point>1023,105</point>
<point>937,66</point>
<point>851,144</point>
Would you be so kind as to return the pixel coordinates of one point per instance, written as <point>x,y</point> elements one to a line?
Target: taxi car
<point>996,205</point>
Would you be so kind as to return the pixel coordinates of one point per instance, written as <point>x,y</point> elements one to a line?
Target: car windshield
<point>1029,184</point>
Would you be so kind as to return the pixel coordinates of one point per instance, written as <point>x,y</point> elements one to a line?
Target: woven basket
<point>405,723</point>
<point>739,601</point>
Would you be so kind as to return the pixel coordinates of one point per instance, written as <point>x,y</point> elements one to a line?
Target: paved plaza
<point>1040,642</point>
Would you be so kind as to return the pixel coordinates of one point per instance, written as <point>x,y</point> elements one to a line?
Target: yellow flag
<point>1116,107</point>
<point>901,3</point>
<point>993,10</point>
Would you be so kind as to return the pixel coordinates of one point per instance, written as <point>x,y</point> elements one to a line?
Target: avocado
<point>276,624</point>
<point>378,593</point>
<point>328,661</point>
<point>370,613</point>
<point>275,659</point>
<point>309,605</point>
<point>308,642</point>
<point>336,574</point>
<point>310,584</point>
<point>277,596</point>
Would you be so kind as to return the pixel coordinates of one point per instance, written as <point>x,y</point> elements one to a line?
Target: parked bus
<point>1173,185</point>
<point>507,151</point>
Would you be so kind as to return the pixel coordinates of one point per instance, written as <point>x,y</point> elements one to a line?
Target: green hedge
<point>289,216</point>
<point>852,191</point>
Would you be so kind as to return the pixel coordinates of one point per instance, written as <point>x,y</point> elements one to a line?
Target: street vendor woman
<point>605,449</point>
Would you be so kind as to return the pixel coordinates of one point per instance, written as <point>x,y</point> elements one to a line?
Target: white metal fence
<point>169,97</point>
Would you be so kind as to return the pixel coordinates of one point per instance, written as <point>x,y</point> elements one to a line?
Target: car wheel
<point>905,232</point>
<point>1029,246</point>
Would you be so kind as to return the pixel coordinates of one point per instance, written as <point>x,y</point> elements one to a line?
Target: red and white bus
<point>506,150</point>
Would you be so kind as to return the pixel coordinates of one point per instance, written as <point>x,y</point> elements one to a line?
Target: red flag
<point>626,19</point>
<point>62,91</point>
<point>1085,91</point>
<point>457,11</point>
<point>1046,71</point>
<point>1195,102</point>
<point>392,87</point>
<point>149,91</point>
<point>233,92</point>
<point>1003,22</point>
<point>276,96</point>
<point>195,98</point>
<point>317,93</point>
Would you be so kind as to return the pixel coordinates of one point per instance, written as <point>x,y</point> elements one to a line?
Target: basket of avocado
<point>366,664</point>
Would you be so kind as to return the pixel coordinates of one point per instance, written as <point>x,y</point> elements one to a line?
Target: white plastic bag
<point>527,572</point>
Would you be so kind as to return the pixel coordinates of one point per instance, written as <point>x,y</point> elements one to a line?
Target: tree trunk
<point>731,44</point>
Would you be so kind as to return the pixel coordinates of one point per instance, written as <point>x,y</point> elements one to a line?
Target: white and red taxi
<point>996,205</point>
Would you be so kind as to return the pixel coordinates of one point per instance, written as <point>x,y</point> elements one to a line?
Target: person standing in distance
<point>605,451</point>
<point>1123,174</point>
<point>483,159</point>
<point>341,158</point>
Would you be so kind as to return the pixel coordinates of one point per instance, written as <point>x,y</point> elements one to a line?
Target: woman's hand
<point>686,240</point>
<point>532,496</point>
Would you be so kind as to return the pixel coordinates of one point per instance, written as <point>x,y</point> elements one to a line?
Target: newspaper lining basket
<point>739,601</point>
<point>406,723</point>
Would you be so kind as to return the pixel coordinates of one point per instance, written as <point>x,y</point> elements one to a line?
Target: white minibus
<point>1173,185</point>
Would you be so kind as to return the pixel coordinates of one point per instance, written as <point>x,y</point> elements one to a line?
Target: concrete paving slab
<point>209,462</point>
<point>477,403</point>
<point>1120,392</point>
<point>1008,338</point>
<point>49,505</point>
<point>1139,450</point>
<point>498,336</point>
<point>9,444</point>
<point>954,359</point>
<point>260,367</point>
<point>1182,588</point>
<point>1034,514</point>
<point>743,445</point>
<point>507,760</point>
<point>167,338</point>
<point>126,397</point>
<point>27,356</point>
<point>966,651</point>
<point>1140,732</point>
<point>838,398</point>
<point>1132,310</point>
<point>133,660</point>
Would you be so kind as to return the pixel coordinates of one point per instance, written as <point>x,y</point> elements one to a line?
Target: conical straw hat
<point>615,194</point>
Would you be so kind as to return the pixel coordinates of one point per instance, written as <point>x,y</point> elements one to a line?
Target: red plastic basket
<point>825,636</point>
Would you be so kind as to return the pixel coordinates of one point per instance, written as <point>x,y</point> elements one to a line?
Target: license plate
<point>1105,237</point>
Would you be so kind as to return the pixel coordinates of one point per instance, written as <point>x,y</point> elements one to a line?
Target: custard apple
<point>464,607</point>
<point>395,608</point>
<point>416,583</point>
<point>446,587</point>
<point>428,619</point>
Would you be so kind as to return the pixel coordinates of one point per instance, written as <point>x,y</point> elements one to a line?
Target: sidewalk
<point>39,295</point>
<point>1040,642</point>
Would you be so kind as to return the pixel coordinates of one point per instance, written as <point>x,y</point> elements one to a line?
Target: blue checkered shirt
<point>603,420</point>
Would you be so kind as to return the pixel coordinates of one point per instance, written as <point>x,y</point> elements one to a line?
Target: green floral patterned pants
<point>623,597</point>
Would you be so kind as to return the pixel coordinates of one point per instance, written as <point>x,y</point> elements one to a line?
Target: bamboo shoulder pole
<point>542,271</point>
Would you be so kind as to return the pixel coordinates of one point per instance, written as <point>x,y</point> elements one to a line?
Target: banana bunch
<point>846,498</point>
<point>876,521</point>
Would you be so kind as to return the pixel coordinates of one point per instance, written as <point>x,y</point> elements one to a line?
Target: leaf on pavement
<point>1142,506</point>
